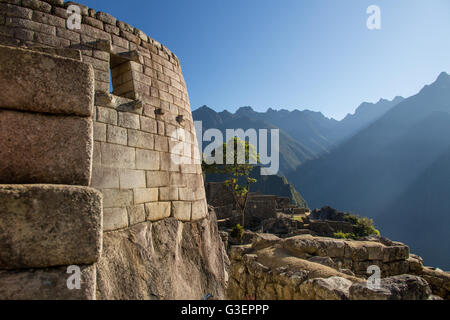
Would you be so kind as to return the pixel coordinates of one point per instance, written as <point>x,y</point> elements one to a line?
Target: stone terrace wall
<point>135,129</point>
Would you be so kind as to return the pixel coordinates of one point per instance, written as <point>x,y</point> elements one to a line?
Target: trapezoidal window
<point>121,77</point>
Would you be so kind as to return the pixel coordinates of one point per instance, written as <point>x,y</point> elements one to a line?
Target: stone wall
<point>138,130</point>
<point>259,206</point>
<point>137,145</point>
<point>133,167</point>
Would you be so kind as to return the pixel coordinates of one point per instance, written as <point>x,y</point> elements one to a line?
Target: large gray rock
<point>438,280</point>
<point>38,148</point>
<point>316,246</point>
<point>39,82</point>
<point>48,225</point>
<point>415,264</point>
<point>403,287</point>
<point>167,259</point>
<point>326,261</point>
<point>264,240</point>
<point>46,284</point>
<point>333,288</point>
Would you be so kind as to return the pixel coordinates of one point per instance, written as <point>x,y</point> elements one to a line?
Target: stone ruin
<point>276,215</point>
<point>109,182</point>
<point>260,207</point>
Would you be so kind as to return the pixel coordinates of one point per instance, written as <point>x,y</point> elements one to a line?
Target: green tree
<point>236,166</point>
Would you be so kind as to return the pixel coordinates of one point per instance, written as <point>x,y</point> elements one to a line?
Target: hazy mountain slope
<point>403,141</point>
<point>379,164</point>
<point>365,173</point>
<point>422,214</point>
<point>365,114</point>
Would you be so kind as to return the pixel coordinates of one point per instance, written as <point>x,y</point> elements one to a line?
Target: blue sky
<point>296,54</point>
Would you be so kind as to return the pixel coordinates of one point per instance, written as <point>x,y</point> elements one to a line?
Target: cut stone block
<point>48,225</point>
<point>136,214</point>
<point>132,179</point>
<point>199,210</point>
<point>116,198</point>
<point>157,210</point>
<point>157,179</point>
<point>115,219</point>
<point>186,194</point>
<point>62,52</point>
<point>38,148</point>
<point>117,135</point>
<point>140,139</point>
<point>116,156</point>
<point>182,210</point>
<point>47,284</point>
<point>39,82</point>
<point>103,178</point>
<point>168,194</point>
<point>145,195</point>
<point>147,159</point>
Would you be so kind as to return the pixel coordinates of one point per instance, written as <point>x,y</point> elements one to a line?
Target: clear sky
<point>296,54</point>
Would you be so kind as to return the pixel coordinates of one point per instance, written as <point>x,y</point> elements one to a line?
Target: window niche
<point>122,84</point>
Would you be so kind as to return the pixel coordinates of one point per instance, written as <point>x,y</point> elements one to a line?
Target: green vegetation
<point>362,227</point>
<point>342,235</point>
<point>237,232</point>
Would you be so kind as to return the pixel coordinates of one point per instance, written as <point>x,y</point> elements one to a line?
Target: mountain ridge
<point>304,135</point>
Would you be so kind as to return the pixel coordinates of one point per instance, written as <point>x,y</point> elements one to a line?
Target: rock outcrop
<point>168,259</point>
<point>438,280</point>
<point>316,268</point>
<point>403,287</point>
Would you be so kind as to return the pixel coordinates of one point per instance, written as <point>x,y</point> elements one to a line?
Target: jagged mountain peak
<point>441,82</point>
<point>398,99</point>
<point>369,106</point>
<point>443,76</point>
<point>246,110</point>
<point>205,108</point>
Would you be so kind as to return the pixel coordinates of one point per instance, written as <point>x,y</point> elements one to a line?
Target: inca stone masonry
<point>86,176</point>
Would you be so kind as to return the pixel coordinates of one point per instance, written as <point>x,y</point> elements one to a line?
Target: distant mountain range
<point>396,170</point>
<point>304,135</point>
